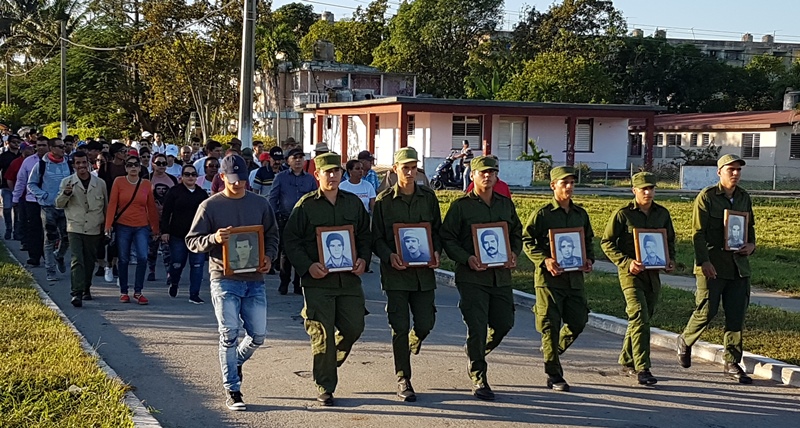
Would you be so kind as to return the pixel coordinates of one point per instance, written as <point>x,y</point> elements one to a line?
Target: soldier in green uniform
<point>640,287</point>
<point>407,288</point>
<point>487,303</point>
<point>560,296</point>
<point>722,276</point>
<point>334,301</point>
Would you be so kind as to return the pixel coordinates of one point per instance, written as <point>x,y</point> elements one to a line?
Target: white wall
<point>550,134</point>
<point>386,139</point>
<point>610,145</point>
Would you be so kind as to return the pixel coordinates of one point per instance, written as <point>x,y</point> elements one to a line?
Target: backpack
<point>43,166</point>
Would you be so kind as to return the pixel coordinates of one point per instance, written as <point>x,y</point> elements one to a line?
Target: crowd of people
<point>320,221</point>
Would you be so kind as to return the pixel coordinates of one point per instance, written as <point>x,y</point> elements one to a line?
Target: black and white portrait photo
<point>568,251</point>
<point>492,246</point>
<point>651,247</point>
<point>244,250</point>
<point>414,245</point>
<point>337,250</point>
<point>735,228</point>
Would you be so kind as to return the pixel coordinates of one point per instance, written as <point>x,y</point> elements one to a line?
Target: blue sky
<point>710,19</point>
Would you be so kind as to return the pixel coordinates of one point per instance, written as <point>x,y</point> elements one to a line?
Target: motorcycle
<point>444,176</point>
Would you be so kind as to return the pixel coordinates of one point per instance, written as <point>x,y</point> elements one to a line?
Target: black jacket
<point>180,206</point>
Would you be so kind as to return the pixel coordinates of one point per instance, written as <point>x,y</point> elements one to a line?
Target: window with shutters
<point>466,128</point>
<point>673,142</point>
<point>635,145</point>
<point>693,140</point>
<point>794,147</point>
<point>412,125</point>
<point>583,135</point>
<point>706,139</point>
<point>751,146</point>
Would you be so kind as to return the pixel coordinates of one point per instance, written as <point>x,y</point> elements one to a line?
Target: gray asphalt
<point>167,351</point>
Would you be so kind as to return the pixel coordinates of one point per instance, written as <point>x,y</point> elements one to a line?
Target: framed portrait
<point>651,248</point>
<point>244,250</point>
<point>414,243</point>
<point>568,247</point>
<point>492,247</point>
<point>336,247</point>
<point>735,229</point>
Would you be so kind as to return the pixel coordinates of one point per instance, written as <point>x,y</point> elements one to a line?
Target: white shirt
<point>363,190</point>
<point>200,166</point>
<point>155,148</point>
<point>175,170</point>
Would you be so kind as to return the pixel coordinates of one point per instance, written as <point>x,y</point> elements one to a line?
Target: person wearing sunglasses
<point>133,216</point>
<point>205,181</point>
<point>162,182</point>
<point>183,198</point>
<point>31,214</point>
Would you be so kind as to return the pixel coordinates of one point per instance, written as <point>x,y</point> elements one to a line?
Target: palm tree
<point>35,25</point>
<point>276,46</point>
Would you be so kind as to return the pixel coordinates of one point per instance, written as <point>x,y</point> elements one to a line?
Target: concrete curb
<point>141,416</point>
<point>758,365</point>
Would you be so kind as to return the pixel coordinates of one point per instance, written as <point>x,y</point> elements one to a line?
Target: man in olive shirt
<point>334,301</point>
<point>407,288</point>
<point>640,287</point>
<point>487,302</point>
<point>560,295</point>
<point>721,275</point>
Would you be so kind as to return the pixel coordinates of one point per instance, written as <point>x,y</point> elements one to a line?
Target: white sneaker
<point>109,274</point>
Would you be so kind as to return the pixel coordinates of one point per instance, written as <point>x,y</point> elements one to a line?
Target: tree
<point>319,31</point>
<point>298,17</point>
<point>433,38</point>
<point>355,39</point>
<point>490,66</point>
<point>559,77</point>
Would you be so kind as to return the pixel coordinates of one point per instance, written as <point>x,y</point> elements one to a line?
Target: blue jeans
<point>139,238</point>
<point>233,300</point>
<point>179,253</point>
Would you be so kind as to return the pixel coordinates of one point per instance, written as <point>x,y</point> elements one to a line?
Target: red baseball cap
<point>263,157</point>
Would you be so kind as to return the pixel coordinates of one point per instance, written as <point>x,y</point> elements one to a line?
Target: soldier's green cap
<point>643,179</point>
<point>482,163</point>
<point>327,161</point>
<point>729,159</point>
<point>406,155</point>
<point>562,172</point>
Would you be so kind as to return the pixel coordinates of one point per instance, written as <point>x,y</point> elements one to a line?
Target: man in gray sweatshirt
<point>239,295</point>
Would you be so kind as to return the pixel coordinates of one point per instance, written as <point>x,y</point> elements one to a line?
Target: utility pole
<point>63,78</point>
<point>8,81</point>
<point>246,82</point>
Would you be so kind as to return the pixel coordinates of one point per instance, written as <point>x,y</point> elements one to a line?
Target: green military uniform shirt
<point>708,226</point>
<point>618,242</point>
<point>300,237</point>
<point>456,235</point>
<point>536,239</point>
<point>392,207</point>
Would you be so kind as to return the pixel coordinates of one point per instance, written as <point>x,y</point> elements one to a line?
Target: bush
<point>269,142</point>
<point>51,130</point>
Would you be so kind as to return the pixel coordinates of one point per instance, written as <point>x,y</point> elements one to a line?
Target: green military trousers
<point>405,339</point>
<point>640,304</point>
<point>84,254</point>
<point>334,319</point>
<point>735,297</point>
<point>554,306</point>
<point>488,313</point>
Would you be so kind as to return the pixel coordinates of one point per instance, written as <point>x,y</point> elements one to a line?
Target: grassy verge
<point>46,379</point>
<point>774,262</point>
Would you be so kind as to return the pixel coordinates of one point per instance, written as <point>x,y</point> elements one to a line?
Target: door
<point>511,141</point>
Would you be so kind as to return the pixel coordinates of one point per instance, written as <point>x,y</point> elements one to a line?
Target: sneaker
<point>100,271</point>
<point>151,276</point>
<point>76,301</point>
<point>108,275</point>
<point>173,290</point>
<point>196,300</point>
<point>124,298</point>
<point>140,299</point>
<point>51,276</point>
<point>235,402</point>
<point>60,265</point>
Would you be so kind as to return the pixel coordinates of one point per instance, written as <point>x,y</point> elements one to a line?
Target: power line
<point>42,62</point>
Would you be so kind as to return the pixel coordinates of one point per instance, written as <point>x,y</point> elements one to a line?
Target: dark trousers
<point>405,339</point>
<point>334,320</point>
<point>555,306</point>
<point>640,305</point>
<point>488,313</point>
<point>285,264</point>
<point>734,294</point>
<point>84,253</point>
<point>34,232</point>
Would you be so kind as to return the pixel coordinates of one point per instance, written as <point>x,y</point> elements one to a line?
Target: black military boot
<point>405,391</point>
<point>735,372</point>
<point>684,353</point>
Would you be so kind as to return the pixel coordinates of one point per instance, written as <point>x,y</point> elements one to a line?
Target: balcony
<point>300,99</point>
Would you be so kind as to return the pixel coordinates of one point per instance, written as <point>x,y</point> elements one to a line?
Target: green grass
<point>774,263</point>
<point>41,360</point>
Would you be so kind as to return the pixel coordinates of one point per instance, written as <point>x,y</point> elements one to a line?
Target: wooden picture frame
<point>423,248</point>
<point>656,260</point>
<point>334,258</point>
<point>732,219</point>
<point>569,235</point>
<point>491,234</point>
<point>240,244</point>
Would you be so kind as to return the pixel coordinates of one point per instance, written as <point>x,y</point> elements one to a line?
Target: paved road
<point>167,351</point>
